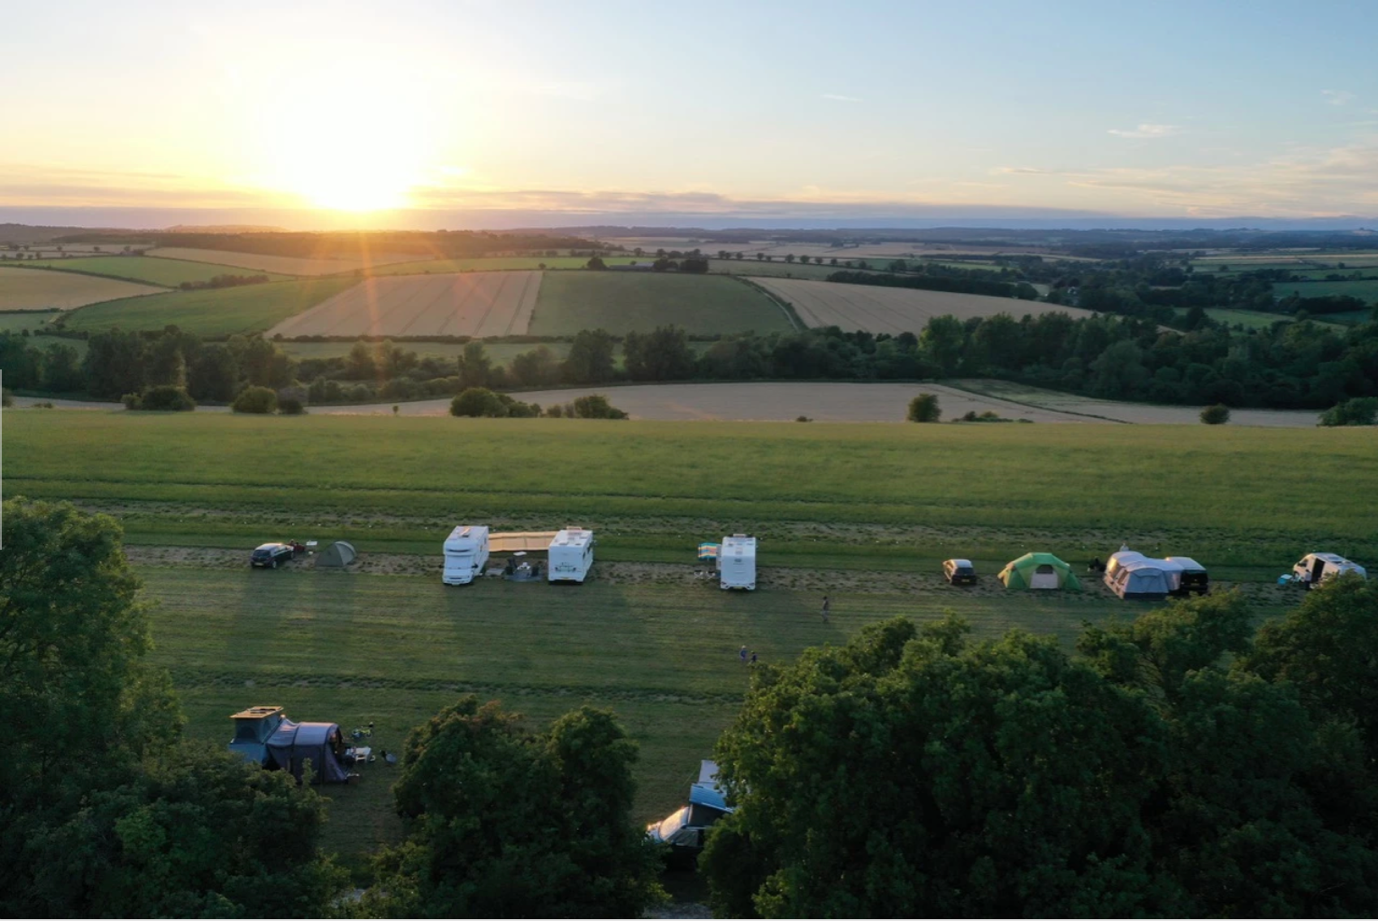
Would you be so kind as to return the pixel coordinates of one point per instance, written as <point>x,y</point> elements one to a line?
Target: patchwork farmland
<point>40,289</point>
<point>623,302</point>
<point>893,310</point>
<point>478,304</point>
<point>154,271</point>
<point>285,265</point>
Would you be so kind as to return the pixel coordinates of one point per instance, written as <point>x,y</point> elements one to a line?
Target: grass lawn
<point>626,302</point>
<point>166,272</point>
<point>395,649</point>
<point>862,496</point>
<point>212,314</point>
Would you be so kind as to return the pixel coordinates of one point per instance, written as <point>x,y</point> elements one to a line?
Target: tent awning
<point>507,541</point>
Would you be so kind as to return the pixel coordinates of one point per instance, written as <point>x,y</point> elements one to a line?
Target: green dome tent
<point>338,555</point>
<point>1038,571</point>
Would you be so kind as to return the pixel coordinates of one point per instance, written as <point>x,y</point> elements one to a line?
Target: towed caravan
<point>737,562</point>
<point>686,828</point>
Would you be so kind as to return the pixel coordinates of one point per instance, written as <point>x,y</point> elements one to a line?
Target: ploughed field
<point>478,304</point>
<point>877,309</point>
<point>39,289</point>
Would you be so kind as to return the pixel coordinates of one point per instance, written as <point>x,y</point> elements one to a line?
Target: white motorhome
<point>737,563</point>
<point>466,553</point>
<point>571,555</point>
<point>1315,568</point>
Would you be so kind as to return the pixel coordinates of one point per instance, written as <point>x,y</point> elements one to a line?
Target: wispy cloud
<point>1020,170</point>
<point>1338,97</point>
<point>1146,131</point>
<point>838,97</point>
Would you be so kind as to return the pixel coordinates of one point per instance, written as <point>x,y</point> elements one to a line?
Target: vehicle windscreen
<point>672,823</point>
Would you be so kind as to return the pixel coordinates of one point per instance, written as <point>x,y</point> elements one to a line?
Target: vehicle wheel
<point>275,564</point>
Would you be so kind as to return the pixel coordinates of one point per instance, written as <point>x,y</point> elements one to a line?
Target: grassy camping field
<point>210,313</point>
<point>860,512</point>
<point>625,302</point>
<point>393,650</point>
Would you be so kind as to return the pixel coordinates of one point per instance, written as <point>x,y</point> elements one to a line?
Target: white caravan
<point>737,562</point>
<point>1322,567</point>
<point>466,553</point>
<point>571,555</point>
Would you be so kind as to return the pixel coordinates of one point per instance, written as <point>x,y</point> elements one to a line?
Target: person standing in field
<point>753,658</point>
<point>743,655</point>
<point>827,608</point>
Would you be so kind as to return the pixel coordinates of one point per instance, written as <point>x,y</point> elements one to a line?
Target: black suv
<point>269,555</point>
<point>959,572</point>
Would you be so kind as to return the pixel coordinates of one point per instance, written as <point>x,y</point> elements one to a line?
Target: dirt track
<point>478,304</point>
<point>877,309</point>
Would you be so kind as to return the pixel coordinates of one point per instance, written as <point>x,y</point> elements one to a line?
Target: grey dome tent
<point>293,744</point>
<point>339,555</point>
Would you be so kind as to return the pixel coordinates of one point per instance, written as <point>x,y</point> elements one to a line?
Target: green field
<point>860,512</point>
<point>393,650</point>
<point>150,269</point>
<point>1366,290</point>
<point>868,496</point>
<point>500,352</point>
<point>625,302</point>
<point>216,313</point>
<point>499,264</point>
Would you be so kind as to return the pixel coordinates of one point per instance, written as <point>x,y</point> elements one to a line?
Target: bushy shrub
<point>555,412</point>
<point>1358,411</point>
<point>519,410</point>
<point>1218,414</point>
<point>477,401</point>
<point>259,400</point>
<point>596,406</point>
<point>132,401</point>
<point>802,419</point>
<point>323,390</point>
<point>291,406</point>
<point>924,408</point>
<point>166,398</point>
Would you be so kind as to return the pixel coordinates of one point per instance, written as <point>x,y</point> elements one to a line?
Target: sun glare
<point>358,145</point>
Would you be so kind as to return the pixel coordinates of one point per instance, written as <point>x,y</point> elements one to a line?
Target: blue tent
<point>322,744</point>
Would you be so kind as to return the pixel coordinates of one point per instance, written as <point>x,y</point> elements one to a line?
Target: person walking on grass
<point>827,608</point>
<point>753,658</point>
<point>743,655</point>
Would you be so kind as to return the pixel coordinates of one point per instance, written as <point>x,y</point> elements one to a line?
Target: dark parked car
<point>959,572</point>
<point>269,555</point>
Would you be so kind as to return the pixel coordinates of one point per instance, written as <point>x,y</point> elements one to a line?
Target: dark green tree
<point>61,370</point>
<point>113,365</point>
<point>508,823</point>
<point>924,408</point>
<point>591,357</point>
<point>475,367</point>
<point>661,355</point>
<point>214,375</point>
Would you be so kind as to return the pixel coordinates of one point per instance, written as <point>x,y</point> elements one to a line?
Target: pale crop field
<point>1090,408</point>
<point>283,265</point>
<point>475,304</point>
<point>40,289</point>
<point>875,309</point>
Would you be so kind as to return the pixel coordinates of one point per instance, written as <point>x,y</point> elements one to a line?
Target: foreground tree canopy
<point>511,823</point>
<point>104,810</point>
<point>916,772</point>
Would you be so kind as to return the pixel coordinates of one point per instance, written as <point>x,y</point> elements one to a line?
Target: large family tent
<point>1039,571</point>
<point>338,555</point>
<point>294,744</point>
<point>1144,578</point>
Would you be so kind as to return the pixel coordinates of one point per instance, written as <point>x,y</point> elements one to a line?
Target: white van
<point>737,563</point>
<point>1322,567</point>
<point>466,554</point>
<point>571,555</point>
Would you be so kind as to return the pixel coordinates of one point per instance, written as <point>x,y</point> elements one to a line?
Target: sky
<point>453,114</point>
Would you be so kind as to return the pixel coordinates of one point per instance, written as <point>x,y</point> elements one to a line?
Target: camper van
<point>466,553</point>
<point>685,828</point>
<point>571,555</point>
<point>1324,566</point>
<point>737,562</point>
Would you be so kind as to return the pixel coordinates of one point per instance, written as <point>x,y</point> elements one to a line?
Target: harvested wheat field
<point>475,304</point>
<point>875,309</point>
<point>40,289</point>
<point>283,265</point>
